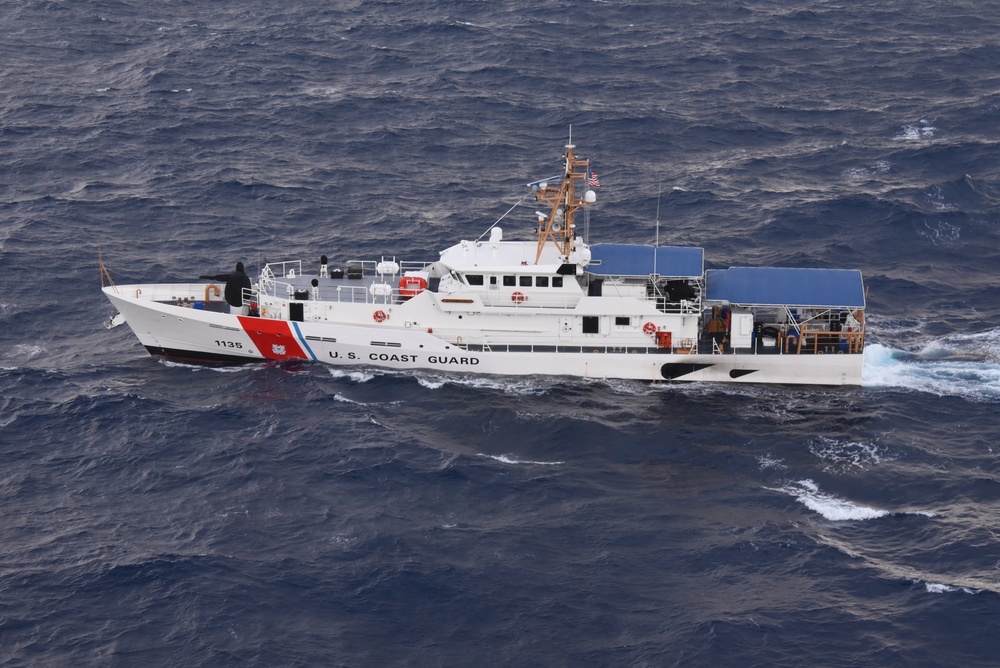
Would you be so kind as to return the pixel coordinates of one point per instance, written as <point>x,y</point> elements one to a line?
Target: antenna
<point>659,192</point>
<point>656,244</point>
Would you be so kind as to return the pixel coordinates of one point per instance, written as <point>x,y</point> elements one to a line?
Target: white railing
<point>368,267</point>
<point>175,292</point>
<point>281,269</point>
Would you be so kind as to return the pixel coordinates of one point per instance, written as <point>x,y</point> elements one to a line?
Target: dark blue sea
<point>159,514</point>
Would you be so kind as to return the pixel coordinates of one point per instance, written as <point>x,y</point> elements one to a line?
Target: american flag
<point>592,180</point>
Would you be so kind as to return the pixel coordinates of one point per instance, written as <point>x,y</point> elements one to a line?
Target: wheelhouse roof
<point>773,286</point>
<point>640,260</point>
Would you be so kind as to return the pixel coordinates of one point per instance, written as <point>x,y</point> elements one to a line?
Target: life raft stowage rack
<point>411,286</point>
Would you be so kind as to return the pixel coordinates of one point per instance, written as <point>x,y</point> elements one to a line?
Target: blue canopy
<point>771,286</point>
<point>635,260</point>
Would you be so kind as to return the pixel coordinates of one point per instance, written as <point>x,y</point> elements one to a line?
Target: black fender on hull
<point>677,370</point>
<point>192,357</point>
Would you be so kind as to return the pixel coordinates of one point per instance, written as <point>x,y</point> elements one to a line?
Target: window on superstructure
<point>541,281</point>
<point>474,279</point>
<point>623,321</point>
<point>509,281</point>
<point>525,281</point>
<point>591,324</point>
<point>493,280</point>
<point>557,281</point>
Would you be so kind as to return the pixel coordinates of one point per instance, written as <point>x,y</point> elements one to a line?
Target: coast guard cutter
<point>551,305</point>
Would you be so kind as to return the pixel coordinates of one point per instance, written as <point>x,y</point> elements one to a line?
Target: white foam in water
<point>356,376</point>
<point>192,366</point>
<point>20,353</point>
<point>766,461</point>
<point>936,372</point>
<point>985,345</point>
<point>844,455</point>
<point>509,460</point>
<point>518,386</point>
<point>631,387</point>
<point>880,167</point>
<point>940,233</point>
<point>807,493</point>
<point>915,132</point>
<point>939,588</point>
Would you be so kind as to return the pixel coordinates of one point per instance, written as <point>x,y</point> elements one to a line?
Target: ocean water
<point>292,515</point>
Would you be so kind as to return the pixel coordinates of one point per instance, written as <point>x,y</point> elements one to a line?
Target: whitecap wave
<point>808,494</point>
<point>505,459</point>
<point>356,375</point>
<point>940,588</point>
<point>430,384</point>
<point>921,131</point>
<point>942,370</point>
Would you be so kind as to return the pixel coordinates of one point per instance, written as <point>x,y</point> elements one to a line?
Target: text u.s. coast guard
<point>395,357</point>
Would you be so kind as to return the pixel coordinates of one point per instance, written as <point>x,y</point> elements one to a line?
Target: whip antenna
<point>656,243</point>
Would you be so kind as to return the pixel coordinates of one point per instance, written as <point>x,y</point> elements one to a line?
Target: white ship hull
<point>552,306</point>
<point>201,336</point>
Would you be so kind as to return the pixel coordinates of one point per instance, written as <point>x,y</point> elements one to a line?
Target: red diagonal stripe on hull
<point>273,338</point>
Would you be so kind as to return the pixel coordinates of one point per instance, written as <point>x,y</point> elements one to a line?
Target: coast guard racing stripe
<point>273,338</point>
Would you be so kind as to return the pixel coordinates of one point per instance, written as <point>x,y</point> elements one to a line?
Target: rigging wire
<point>516,204</point>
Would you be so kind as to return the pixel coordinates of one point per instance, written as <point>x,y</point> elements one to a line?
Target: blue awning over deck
<point>636,260</point>
<point>772,286</point>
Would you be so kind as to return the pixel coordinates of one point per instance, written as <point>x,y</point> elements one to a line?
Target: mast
<point>557,226</point>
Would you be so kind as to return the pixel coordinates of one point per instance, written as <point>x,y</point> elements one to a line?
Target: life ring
<point>212,288</point>
<point>380,316</point>
<point>649,329</point>
<point>411,286</point>
<point>518,297</point>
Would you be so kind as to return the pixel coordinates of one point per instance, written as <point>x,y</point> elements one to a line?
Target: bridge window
<point>474,279</point>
